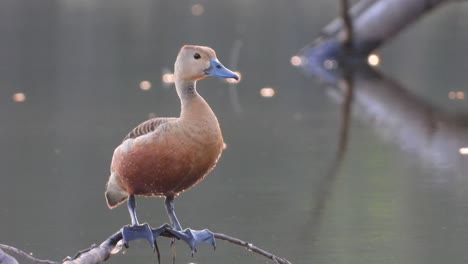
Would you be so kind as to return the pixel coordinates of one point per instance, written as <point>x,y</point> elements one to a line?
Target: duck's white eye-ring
<point>196,56</point>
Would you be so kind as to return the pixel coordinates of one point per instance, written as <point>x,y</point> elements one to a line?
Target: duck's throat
<point>193,106</point>
<point>187,92</point>
<point>186,89</point>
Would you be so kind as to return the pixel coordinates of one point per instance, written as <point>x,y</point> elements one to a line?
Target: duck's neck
<point>192,104</point>
<point>186,90</point>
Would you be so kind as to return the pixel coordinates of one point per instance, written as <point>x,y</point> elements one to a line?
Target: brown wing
<point>147,127</point>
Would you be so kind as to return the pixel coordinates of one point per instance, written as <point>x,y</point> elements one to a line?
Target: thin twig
<point>337,24</point>
<point>347,84</point>
<point>348,90</point>
<point>348,24</point>
<point>26,255</point>
<point>251,247</point>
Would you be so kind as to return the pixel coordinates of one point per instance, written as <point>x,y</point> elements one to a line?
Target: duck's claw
<point>135,232</point>
<point>194,237</point>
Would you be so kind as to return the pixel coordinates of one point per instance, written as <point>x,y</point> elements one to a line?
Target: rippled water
<point>400,195</point>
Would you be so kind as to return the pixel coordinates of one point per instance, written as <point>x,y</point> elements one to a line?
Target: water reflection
<point>419,128</point>
<point>434,139</point>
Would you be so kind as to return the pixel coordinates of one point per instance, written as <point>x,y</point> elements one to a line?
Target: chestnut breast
<point>169,160</point>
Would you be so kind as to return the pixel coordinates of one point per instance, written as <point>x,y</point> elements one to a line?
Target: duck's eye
<point>196,56</point>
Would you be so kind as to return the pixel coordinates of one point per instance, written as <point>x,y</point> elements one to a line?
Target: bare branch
<point>96,254</point>
<point>7,259</point>
<point>99,254</point>
<point>21,253</point>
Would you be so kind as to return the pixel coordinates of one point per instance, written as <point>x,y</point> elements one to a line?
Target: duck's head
<point>196,62</point>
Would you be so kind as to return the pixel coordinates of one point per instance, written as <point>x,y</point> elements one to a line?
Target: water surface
<point>79,64</point>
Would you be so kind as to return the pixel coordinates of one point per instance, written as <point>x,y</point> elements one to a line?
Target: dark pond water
<point>400,195</point>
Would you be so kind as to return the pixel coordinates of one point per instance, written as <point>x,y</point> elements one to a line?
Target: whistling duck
<point>163,157</point>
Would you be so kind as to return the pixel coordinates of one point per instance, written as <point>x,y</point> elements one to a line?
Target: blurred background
<point>77,76</point>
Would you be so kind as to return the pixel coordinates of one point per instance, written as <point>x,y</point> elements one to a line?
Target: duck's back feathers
<point>148,127</point>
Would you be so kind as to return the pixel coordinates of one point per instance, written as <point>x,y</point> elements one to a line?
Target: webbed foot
<point>135,232</point>
<point>194,237</point>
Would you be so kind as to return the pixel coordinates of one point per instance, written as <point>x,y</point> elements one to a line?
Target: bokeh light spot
<point>456,95</point>
<point>330,64</point>
<point>452,95</point>
<point>19,97</point>
<point>373,60</point>
<point>296,60</point>
<point>145,85</point>
<point>198,9</point>
<point>267,92</point>
<point>168,78</point>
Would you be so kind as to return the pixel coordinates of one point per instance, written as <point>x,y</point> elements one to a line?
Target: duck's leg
<point>191,237</point>
<point>136,231</point>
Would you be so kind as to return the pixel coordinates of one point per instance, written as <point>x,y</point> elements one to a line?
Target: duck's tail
<point>115,195</point>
